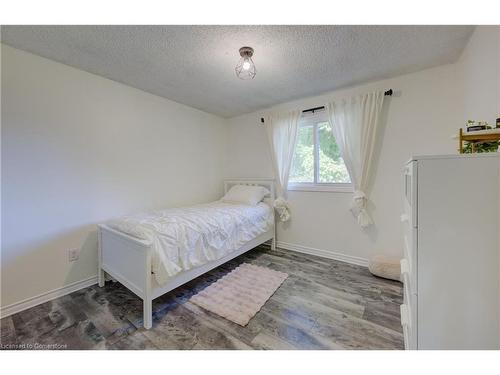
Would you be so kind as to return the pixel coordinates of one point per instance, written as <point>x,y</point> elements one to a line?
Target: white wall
<point>78,149</point>
<point>479,69</point>
<point>421,118</point>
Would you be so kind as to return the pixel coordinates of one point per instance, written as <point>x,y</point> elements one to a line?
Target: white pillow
<point>245,194</point>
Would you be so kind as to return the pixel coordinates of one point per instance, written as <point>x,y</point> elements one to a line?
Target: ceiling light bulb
<point>246,68</point>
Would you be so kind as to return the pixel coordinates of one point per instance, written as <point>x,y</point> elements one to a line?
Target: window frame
<point>313,120</point>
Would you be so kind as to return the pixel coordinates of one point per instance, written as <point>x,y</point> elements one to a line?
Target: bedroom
<point>197,187</point>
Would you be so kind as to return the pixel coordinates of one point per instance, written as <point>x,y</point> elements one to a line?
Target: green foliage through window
<point>303,158</point>
<point>331,167</point>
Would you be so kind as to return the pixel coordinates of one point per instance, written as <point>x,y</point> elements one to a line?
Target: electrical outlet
<point>73,254</point>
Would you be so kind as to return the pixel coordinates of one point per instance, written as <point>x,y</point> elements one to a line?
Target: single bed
<point>155,252</point>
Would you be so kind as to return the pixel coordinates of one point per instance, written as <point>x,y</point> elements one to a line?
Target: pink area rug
<point>240,294</point>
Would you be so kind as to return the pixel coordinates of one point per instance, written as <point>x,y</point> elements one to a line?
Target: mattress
<point>188,237</point>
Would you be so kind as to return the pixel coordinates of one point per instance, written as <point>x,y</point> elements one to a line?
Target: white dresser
<point>451,263</point>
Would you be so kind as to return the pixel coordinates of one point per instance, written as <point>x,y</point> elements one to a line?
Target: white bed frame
<point>128,259</point>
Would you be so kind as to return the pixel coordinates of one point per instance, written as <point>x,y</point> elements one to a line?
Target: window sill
<point>328,188</point>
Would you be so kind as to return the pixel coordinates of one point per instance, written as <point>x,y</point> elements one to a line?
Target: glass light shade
<point>246,68</point>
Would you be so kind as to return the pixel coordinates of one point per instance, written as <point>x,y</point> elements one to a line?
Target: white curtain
<point>282,134</point>
<point>354,124</point>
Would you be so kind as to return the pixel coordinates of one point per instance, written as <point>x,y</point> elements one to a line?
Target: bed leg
<point>148,300</point>
<point>273,244</point>
<point>148,313</point>
<point>101,278</point>
<point>100,273</point>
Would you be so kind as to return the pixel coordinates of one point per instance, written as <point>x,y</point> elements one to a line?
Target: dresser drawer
<point>407,277</point>
<point>410,300</point>
<point>410,241</point>
<point>410,255</point>
<point>410,193</point>
<point>407,337</point>
<point>409,308</point>
<point>409,331</point>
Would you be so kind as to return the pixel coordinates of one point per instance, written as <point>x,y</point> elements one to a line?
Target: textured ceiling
<point>194,65</point>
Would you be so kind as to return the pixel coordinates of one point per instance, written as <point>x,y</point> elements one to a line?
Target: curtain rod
<point>387,93</point>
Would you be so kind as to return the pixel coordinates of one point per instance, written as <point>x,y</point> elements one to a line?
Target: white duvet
<point>187,237</point>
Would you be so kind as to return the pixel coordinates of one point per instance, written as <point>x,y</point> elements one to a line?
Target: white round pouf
<point>385,266</point>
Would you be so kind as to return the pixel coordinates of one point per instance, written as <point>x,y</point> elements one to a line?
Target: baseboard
<point>45,297</point>
<point>323,253</point>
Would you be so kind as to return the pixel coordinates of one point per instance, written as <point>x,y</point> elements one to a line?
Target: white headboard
<point>265,182</point>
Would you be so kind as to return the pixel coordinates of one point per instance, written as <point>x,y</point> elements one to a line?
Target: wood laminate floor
<point>323,304</point>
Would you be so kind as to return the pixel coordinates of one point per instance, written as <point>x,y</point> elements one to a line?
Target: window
<point>317,164</point>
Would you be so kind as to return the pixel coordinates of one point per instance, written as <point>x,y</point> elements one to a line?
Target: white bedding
<point>188,237</point>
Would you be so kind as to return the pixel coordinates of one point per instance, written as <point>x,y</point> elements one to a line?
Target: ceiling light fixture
<point>246,68</point>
